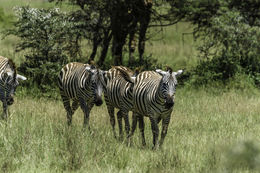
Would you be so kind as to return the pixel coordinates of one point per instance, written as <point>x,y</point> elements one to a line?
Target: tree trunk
<point>143,28</point>
<point>105,46</point>
<point>132,43</point>
<point>94,49</point>
<point>119,23</point>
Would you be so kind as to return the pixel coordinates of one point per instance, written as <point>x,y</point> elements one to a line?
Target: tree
<point>229,35</point>
<point>117,19</point>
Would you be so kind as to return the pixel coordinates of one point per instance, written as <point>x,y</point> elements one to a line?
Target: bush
<point>52,40</point>
<point>229,46</point>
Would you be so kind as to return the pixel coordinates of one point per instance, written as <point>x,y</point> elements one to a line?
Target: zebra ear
<point>179,72</point>
<point>20,77</point>
<point>104,72</point>
<point>90,69</point>
<point>161,72</point>
<point>9,73</point>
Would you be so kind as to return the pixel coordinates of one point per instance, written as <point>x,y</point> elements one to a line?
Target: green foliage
<point>52,40</point>
<point>229,46</point>
<point>147,63</point>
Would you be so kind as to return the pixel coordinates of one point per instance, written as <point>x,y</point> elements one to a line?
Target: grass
<point>172,47</point>
<point>203,130</point>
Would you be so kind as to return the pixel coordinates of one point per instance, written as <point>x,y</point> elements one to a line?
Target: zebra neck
<point>159,96</point>
<point>84,80</point>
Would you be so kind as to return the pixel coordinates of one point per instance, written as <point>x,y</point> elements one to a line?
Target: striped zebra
<point>153,95</point>
<point>83,84</point>
<point>119,94</point>
<point>8,83</point>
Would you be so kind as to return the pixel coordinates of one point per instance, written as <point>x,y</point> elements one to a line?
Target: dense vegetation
<point>215,123</point>
<point>227,37</point>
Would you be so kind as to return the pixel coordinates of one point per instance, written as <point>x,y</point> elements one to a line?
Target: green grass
<point>203,130</point>
<point>172,47</point>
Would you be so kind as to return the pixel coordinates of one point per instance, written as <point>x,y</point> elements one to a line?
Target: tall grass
<point>202,132</point>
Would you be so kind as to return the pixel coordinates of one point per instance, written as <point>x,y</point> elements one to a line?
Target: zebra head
<point>11,82</point>
<point>168,85</point>
<point>97,83</point>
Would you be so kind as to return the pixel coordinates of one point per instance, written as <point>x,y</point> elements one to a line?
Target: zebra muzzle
<point>98,102</point>
<point>169,103</point>
<point>10,101</point>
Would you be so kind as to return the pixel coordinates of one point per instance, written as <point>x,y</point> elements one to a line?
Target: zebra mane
<point>13,67</point>
<point>125,73</point>
<point>126,69</point>
<point>137,70</point>
<point>169,69</point>
<point>92,64</point>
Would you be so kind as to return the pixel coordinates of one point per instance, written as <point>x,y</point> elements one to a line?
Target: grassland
<point>211,130</point>
<point>208,132</point>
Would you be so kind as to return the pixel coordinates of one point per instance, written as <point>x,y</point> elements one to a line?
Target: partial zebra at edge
<point>9,80</point>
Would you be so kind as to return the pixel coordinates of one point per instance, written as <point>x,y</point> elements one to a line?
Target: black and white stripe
<point>8,82</point>
<point>153,95</point>
<point>83,84</point>
<point>119,94</point>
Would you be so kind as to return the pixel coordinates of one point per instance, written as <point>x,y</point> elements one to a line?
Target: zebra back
<point>73,80</point>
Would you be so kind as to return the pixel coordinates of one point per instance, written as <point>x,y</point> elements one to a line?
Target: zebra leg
<point>111,112</point>
<point>141,127</point>
<point>86,111</point>
<point>155,131</point>
<point>75,106</point>
<point>66,103</point>
<point>134,123</point>
<point>119,120</point>
<point>127,125</point>
<point>158,120</point>
<point>165,123</point>
<point>5,112</point>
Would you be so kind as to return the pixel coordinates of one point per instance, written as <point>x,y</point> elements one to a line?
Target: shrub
<point>51,40</point>
<point>229,46</point>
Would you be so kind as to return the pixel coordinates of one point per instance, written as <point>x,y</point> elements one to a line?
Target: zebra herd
<point>148,93</point>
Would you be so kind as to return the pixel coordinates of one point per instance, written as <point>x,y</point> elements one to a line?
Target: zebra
<point>153,96</point>
<point>119,94</point>
<point>9,80</point>
<point>83,84</point>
